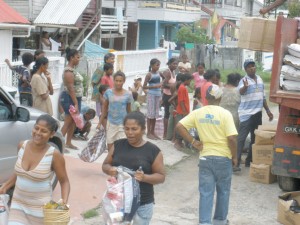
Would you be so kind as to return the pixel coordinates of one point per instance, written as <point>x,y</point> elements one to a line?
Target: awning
<point>10,19</point>
<point>10,16</point>
<point>61,13</point>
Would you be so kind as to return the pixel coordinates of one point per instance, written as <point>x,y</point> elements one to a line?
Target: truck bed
<point>286,34</point>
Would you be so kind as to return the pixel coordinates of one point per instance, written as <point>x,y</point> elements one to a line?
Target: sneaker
<point>81,137</point>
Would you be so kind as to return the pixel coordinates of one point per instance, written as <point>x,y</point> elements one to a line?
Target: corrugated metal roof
<point>61,13</point>
<point>9,15</point>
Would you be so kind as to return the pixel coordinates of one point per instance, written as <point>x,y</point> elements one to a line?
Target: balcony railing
<point>189,6</point>
<point>110,23</point>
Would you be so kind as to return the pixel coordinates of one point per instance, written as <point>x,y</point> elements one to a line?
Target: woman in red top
<point>211,78</point>
<point>183,105</point>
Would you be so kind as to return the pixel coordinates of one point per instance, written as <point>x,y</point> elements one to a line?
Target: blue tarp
<point>92,50</point>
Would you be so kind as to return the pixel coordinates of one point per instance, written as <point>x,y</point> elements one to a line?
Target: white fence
<point>132,63</point>
<point>56,65</point>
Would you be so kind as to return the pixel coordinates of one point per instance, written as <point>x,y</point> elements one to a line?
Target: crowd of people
<point>222,115</point>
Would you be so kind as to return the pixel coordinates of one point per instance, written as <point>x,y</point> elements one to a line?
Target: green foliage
<point>90,213</point>
<point>265,75</point>
<point>85,83</point>
<point>186,35</point>
<point>294,9</point>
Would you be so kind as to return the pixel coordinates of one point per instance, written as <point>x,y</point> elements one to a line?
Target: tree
<point>186,35</point>
<point>294,9</point>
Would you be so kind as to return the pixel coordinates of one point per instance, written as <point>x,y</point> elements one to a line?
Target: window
<point>5,112</point>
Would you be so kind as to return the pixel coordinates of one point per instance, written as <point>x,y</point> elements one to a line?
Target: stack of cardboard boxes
<point>262,155</point>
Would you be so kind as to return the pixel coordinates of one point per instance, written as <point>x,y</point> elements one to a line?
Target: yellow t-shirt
<point>214,124</point>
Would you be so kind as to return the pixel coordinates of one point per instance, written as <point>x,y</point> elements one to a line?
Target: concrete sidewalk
<point>88,182</point>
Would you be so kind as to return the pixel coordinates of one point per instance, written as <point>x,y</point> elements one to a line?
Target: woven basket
<point>56,217</point>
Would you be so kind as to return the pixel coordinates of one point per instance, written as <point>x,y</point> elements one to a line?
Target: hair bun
<point>68,50</point>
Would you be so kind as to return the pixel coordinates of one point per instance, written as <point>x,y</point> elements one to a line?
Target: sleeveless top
<point>35,182</point>
<point>155,80</point>
<point>134,157</point>
<point>171,81</point>
<point>78,82</point>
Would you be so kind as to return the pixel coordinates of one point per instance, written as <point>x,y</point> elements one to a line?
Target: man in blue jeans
<point>253,99</point>
<point>217,147</point>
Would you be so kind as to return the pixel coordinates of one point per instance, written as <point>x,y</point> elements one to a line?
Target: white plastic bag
<point>122,198</point>
<point>4,209</point>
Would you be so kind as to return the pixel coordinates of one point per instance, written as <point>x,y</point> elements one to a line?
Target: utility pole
<point>99,9</point>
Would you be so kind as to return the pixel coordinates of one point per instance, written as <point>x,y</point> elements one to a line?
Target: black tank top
<point>134,157</point>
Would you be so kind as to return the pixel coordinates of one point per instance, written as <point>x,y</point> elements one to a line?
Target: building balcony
<point>168,11</point>
<point>169,5</point>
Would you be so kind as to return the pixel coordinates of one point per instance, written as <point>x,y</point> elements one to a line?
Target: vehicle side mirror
<point>22,114</point>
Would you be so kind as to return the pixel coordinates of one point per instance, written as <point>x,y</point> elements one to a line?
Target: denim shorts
<point>143,214</point>
<point>66,101</point>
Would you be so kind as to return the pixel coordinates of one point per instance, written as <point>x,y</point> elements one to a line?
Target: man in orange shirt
<point>183,105</point>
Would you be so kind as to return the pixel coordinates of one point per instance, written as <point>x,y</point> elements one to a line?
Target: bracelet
<point>193,141</point>
<point>268,110</point>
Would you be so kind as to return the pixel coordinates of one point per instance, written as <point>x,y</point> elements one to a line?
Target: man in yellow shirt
<point>218,147</point>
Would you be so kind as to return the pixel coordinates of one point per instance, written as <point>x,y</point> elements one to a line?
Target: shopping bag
<point>122,198</point>
<point>95,146</point>
<point>4,198</point>
<point>76,117</point>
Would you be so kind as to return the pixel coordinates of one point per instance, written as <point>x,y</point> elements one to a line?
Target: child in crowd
<point>135,105</point>
<point>96,80</point>
<point>138,87</point>
<point>197,99</point>
<point>198,76</point>
<point>183,105</point>
<point>87,114</point>
<point>184,66</point>
<point>173,104</point>
<point>107,78</point>
<point>24,78</point>
<point>153,84</point>
<point>117,103</point>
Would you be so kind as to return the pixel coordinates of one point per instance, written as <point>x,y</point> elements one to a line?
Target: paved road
<point>88,184</point>
<point>87,180</point>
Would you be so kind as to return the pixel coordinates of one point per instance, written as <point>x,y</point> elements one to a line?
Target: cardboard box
<point>298,41</point>
<point>284,215</point>
<point>257,34</point>
<point>268,127</point>
<point>262,154</point>
<point>261,173</point>
<point>263,137</point>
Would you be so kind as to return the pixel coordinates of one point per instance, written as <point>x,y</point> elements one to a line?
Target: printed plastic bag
<point>4,209</point>
<point>122,198</point>
<point>76,117</point>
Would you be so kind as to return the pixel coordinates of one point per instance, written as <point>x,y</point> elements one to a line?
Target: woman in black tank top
<point>134,152</point>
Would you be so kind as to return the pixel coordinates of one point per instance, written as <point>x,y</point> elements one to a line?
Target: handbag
<point>76,117</point>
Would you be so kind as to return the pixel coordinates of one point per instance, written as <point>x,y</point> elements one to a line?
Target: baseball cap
<point>214,92</point>
<point>248,61</point>
<point>137,77</point>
